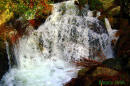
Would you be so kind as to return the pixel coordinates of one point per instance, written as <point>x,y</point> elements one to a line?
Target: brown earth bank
<point>99,76</point>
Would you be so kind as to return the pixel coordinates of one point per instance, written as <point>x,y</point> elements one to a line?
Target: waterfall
<point>45,57</point>
<point>111,32</point>
<point>8,53</point>
<point>108,26</point>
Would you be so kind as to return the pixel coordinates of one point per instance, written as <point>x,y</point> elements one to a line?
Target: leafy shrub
<point>25,8</point>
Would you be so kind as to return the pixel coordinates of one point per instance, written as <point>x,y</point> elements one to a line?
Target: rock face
<point>95,76</point>
<point>125,8</point>
<point>105,6</point>
<point>3,59</point>
<point>6,34</point>
<point>123,48</point>
<point>109,9</point>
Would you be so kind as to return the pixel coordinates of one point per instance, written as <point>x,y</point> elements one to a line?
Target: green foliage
<point>25,8</point>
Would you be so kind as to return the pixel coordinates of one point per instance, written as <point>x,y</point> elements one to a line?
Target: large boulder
<point>98,76</point>
<point>109,9</point>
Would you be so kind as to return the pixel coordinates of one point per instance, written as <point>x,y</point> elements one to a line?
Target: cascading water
<point>45,57</point>
<point>8,53</point>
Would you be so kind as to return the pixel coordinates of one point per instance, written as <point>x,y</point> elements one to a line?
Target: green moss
<point>82,2</point>
<point>107,4</point>
<point>83,71</point>
<point>95,5</point>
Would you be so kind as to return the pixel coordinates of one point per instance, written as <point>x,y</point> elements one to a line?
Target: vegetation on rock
<point>95,4</point>
<point>26,8</point>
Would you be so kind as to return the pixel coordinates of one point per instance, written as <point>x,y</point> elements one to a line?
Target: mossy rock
<point>83,72</point>
<point>104,71</point>
<point>92,76</point>
<point>83,2</point>
<point>113,63</point>
<point>95,4</point>
<point>115,11</point>
<point>106,3</point>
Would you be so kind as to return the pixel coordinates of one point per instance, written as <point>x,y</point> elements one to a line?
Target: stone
<point>3,59</point>
<point>92,76</point>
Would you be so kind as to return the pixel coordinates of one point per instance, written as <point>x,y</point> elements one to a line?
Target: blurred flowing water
<point>45,57</point>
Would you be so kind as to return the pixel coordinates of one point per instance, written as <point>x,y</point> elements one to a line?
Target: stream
<point>45,57</point>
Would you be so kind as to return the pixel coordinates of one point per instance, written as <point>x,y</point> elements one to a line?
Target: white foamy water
<point>45,56</point>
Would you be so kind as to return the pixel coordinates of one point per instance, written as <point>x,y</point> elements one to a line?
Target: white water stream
<point>45,56</point>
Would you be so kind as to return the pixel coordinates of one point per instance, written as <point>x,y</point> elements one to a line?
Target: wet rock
<point>3,59</point>
<point>110,9</point>
<point>114,21</point>
<point>83,2</point>
<point>93,76</point>
<point>57,1</point>
<point>125,8</point>
<point>114,11</point>
<point>123,49</point>
<point>10,35</point>
<point>106,7</point>
<point>115,63</point>
<point>95,5</point>
<point>98,28</point>
<point>107,4</point>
